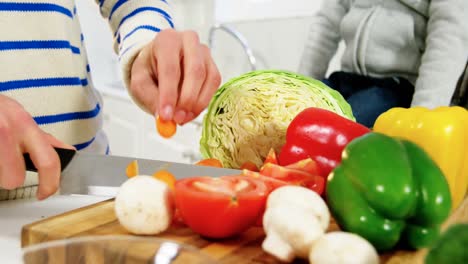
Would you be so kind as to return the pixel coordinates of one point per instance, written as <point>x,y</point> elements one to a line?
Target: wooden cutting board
<point>99,219</point>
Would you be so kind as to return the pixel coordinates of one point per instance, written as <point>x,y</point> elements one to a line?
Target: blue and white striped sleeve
<point>134,24</point>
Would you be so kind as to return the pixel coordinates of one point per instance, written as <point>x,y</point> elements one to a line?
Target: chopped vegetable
<point>249,166</point>
<point>250,114</point>
<point>295,217</point>
<point>342,247</point>
<point>450,247</point>
<point>271,157</point>
<point>210,163</point>
<point>442,133</point>
<point>220,207</point>
<point>307,165</point>
<point>294,177</point>
<point>132,169</point>
<point>270,182</point>
<point>143,205</point>
<point>166,129</point>
<point>386,189</point>
<point>302,173</point>
<point>321,135</point>
<point>166,177</point>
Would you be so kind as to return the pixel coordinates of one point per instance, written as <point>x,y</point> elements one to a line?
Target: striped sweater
<point>43,64</point>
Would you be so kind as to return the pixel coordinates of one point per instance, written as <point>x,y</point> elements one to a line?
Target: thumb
<point>57,143</point>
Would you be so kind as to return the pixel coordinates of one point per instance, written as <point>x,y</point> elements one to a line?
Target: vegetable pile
<point>250,114</point>
<point>441,132</point>
<point>388,188</point>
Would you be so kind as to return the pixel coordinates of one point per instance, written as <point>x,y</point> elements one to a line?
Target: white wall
<point>99,45</point>
<point>276,43</point>
<point>229,11</point>
<point>275,29</point>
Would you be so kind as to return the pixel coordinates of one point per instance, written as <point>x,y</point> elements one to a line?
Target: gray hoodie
<point>424,41</point>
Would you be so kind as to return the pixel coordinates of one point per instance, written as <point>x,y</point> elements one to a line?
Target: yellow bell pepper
<point>441,132</point>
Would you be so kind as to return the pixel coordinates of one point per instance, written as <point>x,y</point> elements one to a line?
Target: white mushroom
<point>302,197</point>
<point>343,247</point>
<point>290,232</point>
<point>143,205</point>
<point>295,217</point>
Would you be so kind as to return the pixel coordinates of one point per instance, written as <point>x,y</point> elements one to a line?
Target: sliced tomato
<point>295,177</point>
<point>271,157</point>
<point>249,166</point>
<point>270,182</point>
<point>220,207</point>
<point>317,184</point>
<point>308,165</point>
<point>177,218</point>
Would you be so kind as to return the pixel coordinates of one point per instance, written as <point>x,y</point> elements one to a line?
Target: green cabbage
<point>250,114</point>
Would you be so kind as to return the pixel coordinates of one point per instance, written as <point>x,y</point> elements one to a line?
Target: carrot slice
<point>210,163</point>
<point>249,166</point>
<point>166,129</point>
<point>166,177</point>
<point>132,169</point>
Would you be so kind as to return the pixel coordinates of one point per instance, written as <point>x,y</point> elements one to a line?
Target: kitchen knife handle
<point>65,156</point>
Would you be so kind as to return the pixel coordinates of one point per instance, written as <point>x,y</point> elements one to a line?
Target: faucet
<point>237,35</point>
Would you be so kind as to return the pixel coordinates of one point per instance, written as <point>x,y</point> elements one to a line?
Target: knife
<point>82,171</point>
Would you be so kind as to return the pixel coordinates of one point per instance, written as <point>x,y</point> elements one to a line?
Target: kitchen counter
<point>17,213</point>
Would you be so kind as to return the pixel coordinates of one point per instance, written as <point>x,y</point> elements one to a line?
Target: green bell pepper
<point>388,190</point>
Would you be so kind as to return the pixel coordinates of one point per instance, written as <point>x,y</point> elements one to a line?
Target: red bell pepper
<point>321,135</point>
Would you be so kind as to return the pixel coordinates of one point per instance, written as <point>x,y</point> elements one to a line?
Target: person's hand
<point>20,134</point>
<point>174,76</point>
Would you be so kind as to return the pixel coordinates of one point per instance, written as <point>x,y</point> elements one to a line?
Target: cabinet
<point>132,132</point>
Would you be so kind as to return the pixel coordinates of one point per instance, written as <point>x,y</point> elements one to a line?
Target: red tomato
<point>270,182</point>
<point>295,177</point>
<point>177,218</point>
<point>220,207</point>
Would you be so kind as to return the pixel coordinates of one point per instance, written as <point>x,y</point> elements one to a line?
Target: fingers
<point>57,143</point>
<point>45,159</point>
<point>167,51</point>
<point>194,73</point>
<point>12,169</point>
<point>175,76</point>
<point>142,84</point>
<point>20,134</point>
<point>210,85</point>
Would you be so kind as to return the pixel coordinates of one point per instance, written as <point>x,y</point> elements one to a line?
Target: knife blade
<point>82,170</point>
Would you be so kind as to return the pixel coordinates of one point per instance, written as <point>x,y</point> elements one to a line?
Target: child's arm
<point>134,24</point>
<point>323,39</point>
<point>446,53</point>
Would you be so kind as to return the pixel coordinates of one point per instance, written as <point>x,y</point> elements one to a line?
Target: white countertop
<point>17,213</point>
